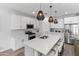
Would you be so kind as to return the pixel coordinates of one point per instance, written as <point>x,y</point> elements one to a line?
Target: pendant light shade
<point>40,15</point>
<point>50,20</point>
<point>55,21</point>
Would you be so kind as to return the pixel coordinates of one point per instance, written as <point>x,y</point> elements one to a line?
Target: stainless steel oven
<point>30,34</point>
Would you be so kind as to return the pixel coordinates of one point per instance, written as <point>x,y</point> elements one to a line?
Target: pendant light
<point>50,20</point>
<point>55,20</point>
<point>40,15</point>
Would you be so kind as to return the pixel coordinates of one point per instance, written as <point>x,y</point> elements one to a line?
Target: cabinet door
<point>19,43</point>
<point>15,22</point>
<point>28,20</point>
<point>24,21</point>
<point>28,51</point>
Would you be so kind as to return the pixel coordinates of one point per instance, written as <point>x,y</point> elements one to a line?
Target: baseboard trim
<point>68,43</point>
<point>4,49</point>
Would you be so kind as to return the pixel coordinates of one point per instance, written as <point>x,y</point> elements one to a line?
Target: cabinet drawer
<point>18,42</point>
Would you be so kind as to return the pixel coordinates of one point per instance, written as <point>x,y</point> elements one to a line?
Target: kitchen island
<point>44,46</point>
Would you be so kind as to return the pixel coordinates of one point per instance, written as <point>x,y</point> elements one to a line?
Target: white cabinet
<point>24,21</point>
<point>19,22</point>
<point>28,51</point>
<point>31,52</point>
<point>69,20</point>
<point>18,43</point>
<point>15,21</point>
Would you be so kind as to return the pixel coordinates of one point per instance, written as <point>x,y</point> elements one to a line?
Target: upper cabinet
<point>28,20</point>
<point>69,20</point>
<point>19,22</point>
<point>15,21</point>
<point>24,21</point>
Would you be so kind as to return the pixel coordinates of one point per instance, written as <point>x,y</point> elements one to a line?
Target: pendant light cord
<point>50,9</point>
<point>55,13</point>
<point>40,6</point>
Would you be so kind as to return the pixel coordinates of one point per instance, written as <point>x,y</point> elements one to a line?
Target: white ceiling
<point>30,7</point>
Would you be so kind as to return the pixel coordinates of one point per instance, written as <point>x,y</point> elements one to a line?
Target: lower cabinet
<point>31,52</point>
<point>17,44</point>
<point>28,51</point>
<point>52,53</point>
<point>57,50</point>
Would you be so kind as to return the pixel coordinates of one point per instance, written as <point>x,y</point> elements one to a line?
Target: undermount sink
<point>44,37</point>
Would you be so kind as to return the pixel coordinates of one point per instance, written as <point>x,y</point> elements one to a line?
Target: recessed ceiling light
<point>33,12</point>
<point>66,13</point>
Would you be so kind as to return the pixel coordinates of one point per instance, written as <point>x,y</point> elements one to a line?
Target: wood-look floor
<point>19,52</point>
<point>68,50</point>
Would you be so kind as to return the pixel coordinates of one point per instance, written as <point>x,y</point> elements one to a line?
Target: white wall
<point>19,21</point>
<point>45,25</point>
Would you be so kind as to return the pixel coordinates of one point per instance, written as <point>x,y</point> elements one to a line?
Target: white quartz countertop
<point>18,34</point>
<point>44,45</point>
